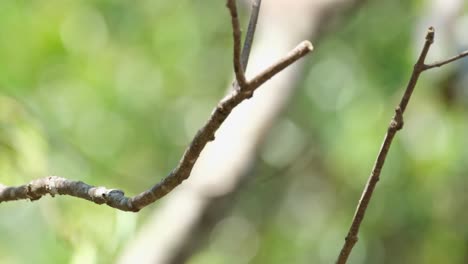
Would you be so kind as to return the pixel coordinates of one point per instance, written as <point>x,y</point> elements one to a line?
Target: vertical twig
<point>236,33</point>
<point>249,37</point>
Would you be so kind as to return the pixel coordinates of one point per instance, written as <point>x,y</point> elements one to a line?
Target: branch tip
<point>430,34</point>
<point>298,52</point>
<point>307,45</point>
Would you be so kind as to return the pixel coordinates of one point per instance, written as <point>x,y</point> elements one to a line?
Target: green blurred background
<point>111,92</point>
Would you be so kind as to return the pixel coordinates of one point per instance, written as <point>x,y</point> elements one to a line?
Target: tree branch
<point>57,185</point>
<point>116,198</point>
<point>302,49</point>
<point>249,37</point>
<point>442,63</point>
<point>236,33</point>
<point>395,125</point>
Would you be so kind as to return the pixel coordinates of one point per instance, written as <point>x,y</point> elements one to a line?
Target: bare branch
<point>248,41</point>
<point>418,68</point>
<point>395,125</point>
<point>442,63</point>
<point>236,33</point>
<point>249,37</point>
<point>115,198</point>
<point>300,51</point>
<point>57,185</point>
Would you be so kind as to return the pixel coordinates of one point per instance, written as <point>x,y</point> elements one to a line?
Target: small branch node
<point>248,94</point>
<point>352,239</point>
<point>212,138</point>
<point>51,188</point>
<point>397,120</point>
<point>220,108</point>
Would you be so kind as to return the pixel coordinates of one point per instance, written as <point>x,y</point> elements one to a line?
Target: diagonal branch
<point>442,63</point>
<point>395,125</point>
<point>302,49</point>
<point>53,185</point>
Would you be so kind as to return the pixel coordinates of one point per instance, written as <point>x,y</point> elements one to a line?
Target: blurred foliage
<point>110,92</point>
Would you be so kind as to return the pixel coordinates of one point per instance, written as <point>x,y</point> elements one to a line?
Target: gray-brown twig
<point>442,63</point>
<point>52,185</point>
<point>236,33</point>
<point>395,125</point>
<point>249,37</point>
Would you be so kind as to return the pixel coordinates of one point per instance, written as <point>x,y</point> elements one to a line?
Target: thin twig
<point>302,49</point>
<point>249,37</point>
<point>116,198</point>
<point>442,63</point>
<point>395,125</point>
<point>236,33</point>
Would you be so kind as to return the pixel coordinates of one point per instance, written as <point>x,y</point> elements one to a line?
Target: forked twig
<point>395,125</point>
<point>53,185</point>
<point>249,37</point>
